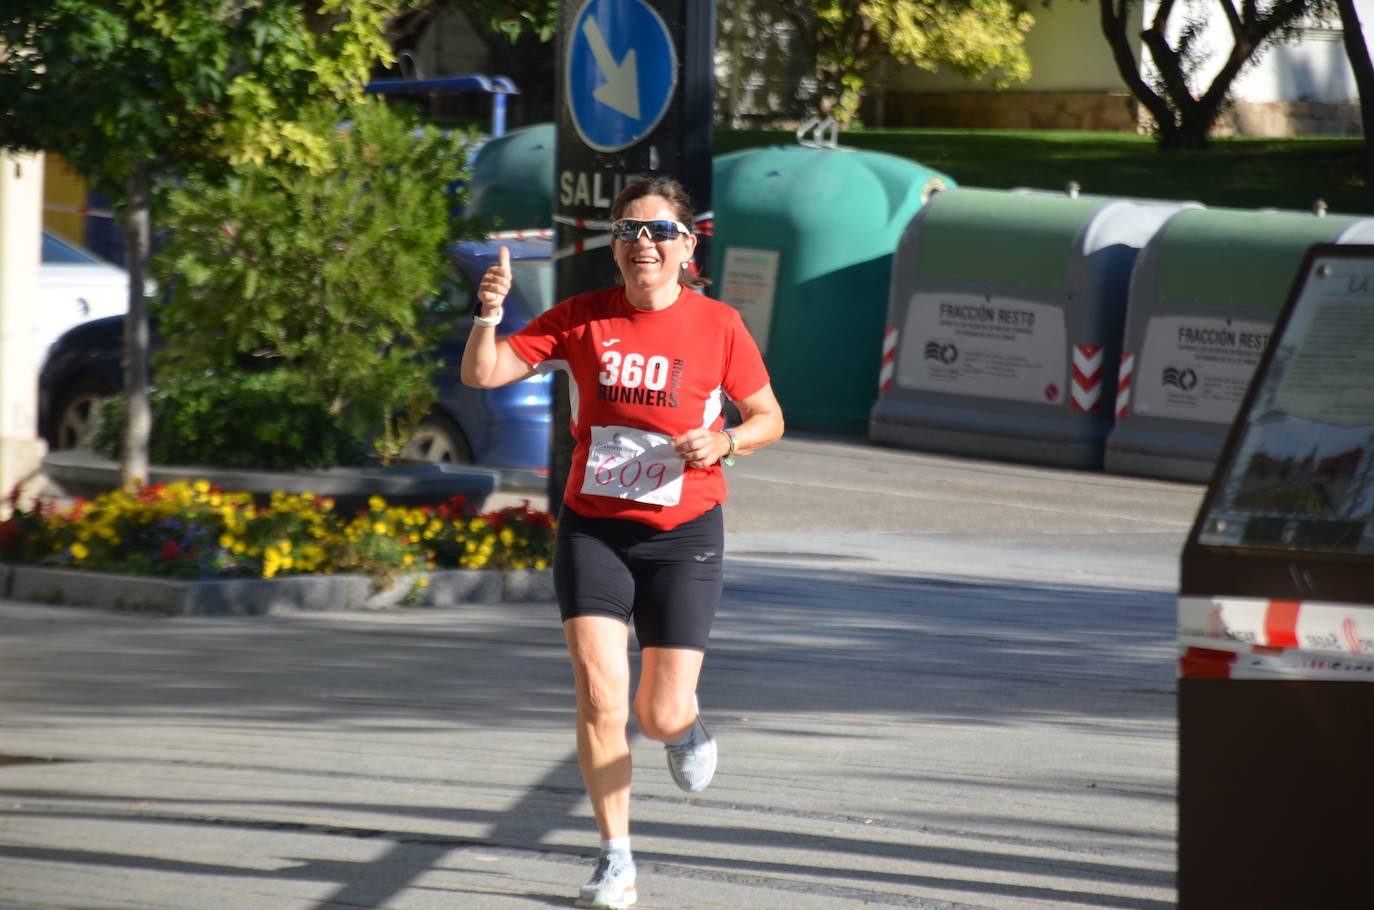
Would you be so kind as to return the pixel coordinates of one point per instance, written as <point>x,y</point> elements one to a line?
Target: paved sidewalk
<point>962,717</point>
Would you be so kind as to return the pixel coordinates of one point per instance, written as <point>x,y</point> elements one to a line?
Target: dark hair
<point>678,200</point>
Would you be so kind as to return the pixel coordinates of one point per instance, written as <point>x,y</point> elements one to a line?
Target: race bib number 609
<point>626,463</point>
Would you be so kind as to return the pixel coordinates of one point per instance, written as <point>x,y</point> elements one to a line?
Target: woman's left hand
<point>701,448</point>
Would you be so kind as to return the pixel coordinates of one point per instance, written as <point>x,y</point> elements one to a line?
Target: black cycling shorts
<point>668,582</point>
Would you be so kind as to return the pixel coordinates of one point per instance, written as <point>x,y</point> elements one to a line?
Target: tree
<point>850,38</point>
<point>1352,33</point>
<point>325,273</point>
<point>133,92</point>
<point>1184,120</point>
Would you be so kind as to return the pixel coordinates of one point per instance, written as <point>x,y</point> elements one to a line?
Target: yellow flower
<point>202,486</point>
<point>379,527</point>
<point>79,552</point>
<point>226,541</point>
<point>376,503</point>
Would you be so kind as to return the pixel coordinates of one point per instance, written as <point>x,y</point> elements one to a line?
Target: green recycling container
<point>803,245</point>
<point>512,179</point>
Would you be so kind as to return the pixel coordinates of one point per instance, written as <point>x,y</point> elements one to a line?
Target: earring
<point>684,265</point>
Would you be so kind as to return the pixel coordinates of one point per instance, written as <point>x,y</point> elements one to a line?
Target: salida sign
<point>636,99</point>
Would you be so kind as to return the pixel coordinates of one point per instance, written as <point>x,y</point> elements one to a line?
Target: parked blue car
<point>505,428</point>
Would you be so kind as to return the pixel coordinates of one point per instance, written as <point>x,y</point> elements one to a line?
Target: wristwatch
<point>489,321</point>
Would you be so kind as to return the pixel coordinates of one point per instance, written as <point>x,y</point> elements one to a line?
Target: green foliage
<point>1237,172</point>
<point>513,18</point>
<point>112,84</point>
<point>850,38</point>
<point>325,271</point>
<point>269,421</point>
<point>133,92</point>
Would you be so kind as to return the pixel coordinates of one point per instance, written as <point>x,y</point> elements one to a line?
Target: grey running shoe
<point>613,884</point>
<point>693,763</point>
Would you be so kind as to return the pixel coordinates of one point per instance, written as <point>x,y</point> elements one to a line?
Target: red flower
<point>170,551</point>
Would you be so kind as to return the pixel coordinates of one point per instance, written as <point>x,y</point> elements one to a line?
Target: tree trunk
<point>137,414</point>
<point>1191,133</point>
<point>1358,53</point>
<point>1114,16</point>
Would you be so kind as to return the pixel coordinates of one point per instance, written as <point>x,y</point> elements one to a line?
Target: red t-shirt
<point>633,371</point>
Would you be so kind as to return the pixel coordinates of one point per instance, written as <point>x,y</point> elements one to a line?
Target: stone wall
<point>1291,118</point>
<point>1111,111</point>
<point>1004,110</point>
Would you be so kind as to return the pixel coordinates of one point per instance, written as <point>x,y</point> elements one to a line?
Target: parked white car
<point>74,286</point>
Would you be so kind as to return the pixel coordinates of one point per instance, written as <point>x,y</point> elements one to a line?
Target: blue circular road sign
<point>622,70</point>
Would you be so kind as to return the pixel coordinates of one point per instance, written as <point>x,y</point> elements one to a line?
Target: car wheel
<point>76,411</point>
<point>438,439</point>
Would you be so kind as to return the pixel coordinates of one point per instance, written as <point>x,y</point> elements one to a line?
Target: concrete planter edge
<point>267,596</point>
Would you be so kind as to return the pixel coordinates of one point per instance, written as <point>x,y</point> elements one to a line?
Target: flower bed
<point>191,530</point>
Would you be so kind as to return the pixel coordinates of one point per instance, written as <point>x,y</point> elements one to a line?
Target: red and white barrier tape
<point>704,224</point>
<point>582,246</point>
<point>1123,384</point>
<point>1256,638</point>
<point>79,210</point>
<point>888,369</point>
<point>1086,388</point>
<point>526,234</point>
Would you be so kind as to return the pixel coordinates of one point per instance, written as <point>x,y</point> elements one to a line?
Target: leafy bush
<point>325,271</point>
<point>270,421</point>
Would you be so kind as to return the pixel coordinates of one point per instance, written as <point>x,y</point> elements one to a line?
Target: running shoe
<point>613,884</point>
<point>693,763</point>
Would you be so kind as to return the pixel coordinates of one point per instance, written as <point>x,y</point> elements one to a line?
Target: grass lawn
<point>1238,173</point>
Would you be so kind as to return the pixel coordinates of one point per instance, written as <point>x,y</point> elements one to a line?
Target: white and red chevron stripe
<point>1086,391</point>
<point>1257,638</point>
<point>1123,383</point>
<point>887,371</point>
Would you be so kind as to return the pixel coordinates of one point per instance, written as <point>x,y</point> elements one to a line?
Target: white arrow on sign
<point>620,91</point>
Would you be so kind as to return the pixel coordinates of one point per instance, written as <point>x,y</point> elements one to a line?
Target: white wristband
<point>489,321</point>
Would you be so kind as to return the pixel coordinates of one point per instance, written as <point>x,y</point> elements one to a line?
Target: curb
<point>267,596</point>
<point>80,472</point>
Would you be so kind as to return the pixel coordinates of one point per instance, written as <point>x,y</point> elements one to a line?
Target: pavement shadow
<point>800,639</point>
<point>939,648</point>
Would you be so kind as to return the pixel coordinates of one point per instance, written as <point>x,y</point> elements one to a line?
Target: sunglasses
<point>628,230</point>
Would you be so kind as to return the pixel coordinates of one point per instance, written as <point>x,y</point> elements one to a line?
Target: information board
<point>1276,616</point>
<point>1301,471</point>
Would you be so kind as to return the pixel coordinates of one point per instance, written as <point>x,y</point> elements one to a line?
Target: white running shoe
<point>693,763</point>
<point>612,886</point>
